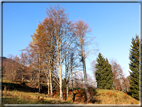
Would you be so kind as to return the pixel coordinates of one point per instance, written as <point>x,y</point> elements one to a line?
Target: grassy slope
<point>102,97</point>
<point>22,97</point>
<point>16,97</point>
<point>113,97</point>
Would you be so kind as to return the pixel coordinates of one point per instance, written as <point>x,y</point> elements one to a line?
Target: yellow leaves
<point>33,40</point>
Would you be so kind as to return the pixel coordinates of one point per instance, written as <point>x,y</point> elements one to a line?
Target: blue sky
<point>113,25</point>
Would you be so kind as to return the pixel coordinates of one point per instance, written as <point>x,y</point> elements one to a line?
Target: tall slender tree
<point>99,70</point>
<point>63,37</point>
<point>37,48</point>
<point>134,67</point>
<point>81,30</point>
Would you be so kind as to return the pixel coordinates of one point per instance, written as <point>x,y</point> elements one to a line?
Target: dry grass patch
<point>17,97</point>
<point>113,97</point>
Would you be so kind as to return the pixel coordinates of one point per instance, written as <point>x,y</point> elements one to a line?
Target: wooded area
<point>59,41</point>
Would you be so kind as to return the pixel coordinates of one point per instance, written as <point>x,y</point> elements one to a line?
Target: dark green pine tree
<point>103,73</point>
<point>134,67</point>
<point>108,75</point>
<point>99,70</point>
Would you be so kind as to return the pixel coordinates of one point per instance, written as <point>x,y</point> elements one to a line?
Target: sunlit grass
<point>105,96</point>
<point>6,80</point>
<point>16,97</point>
<point>102,96</point>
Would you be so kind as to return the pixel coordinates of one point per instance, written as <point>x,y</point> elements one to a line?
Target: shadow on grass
<point>18,87</point>
<point>80,95</point>
<point>129,93</point>
<point>96,101</point>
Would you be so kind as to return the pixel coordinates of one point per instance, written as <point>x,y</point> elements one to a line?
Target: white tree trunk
<point>67,89</point>
<point>60,76</point>
<point>39,74</point>
<point>84,71</point>
<point>85,79</point>
<point>48,84</point>
<point>22,78</point>
<point>51,90</point>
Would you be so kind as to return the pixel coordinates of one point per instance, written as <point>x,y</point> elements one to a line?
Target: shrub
<point>81,93</point>
<point>58,94</point>
<point>92,91</point>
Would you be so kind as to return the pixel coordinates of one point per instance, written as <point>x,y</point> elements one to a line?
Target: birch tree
<point>81,29</point>
<point>62,30</point>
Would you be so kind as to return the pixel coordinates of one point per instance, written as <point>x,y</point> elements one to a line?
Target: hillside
<point>17,93</point>
<point>114,97</point>
<point>9,66</point>
<point>6,61</point>
<point>3,59</point>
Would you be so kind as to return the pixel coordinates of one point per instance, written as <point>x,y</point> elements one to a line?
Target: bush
<point>81,93</point>
<point>58,95</point>
<point>92,91</point>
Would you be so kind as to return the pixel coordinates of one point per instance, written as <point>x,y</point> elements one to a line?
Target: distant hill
<point>9,66</point>
<point>6,61</point>
<point>2,59</point>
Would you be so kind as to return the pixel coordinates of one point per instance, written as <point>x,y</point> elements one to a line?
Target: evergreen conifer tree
<point>103,73</point>
<point>99,70</point>
<point>134,67</point>
<point>108,75</point>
